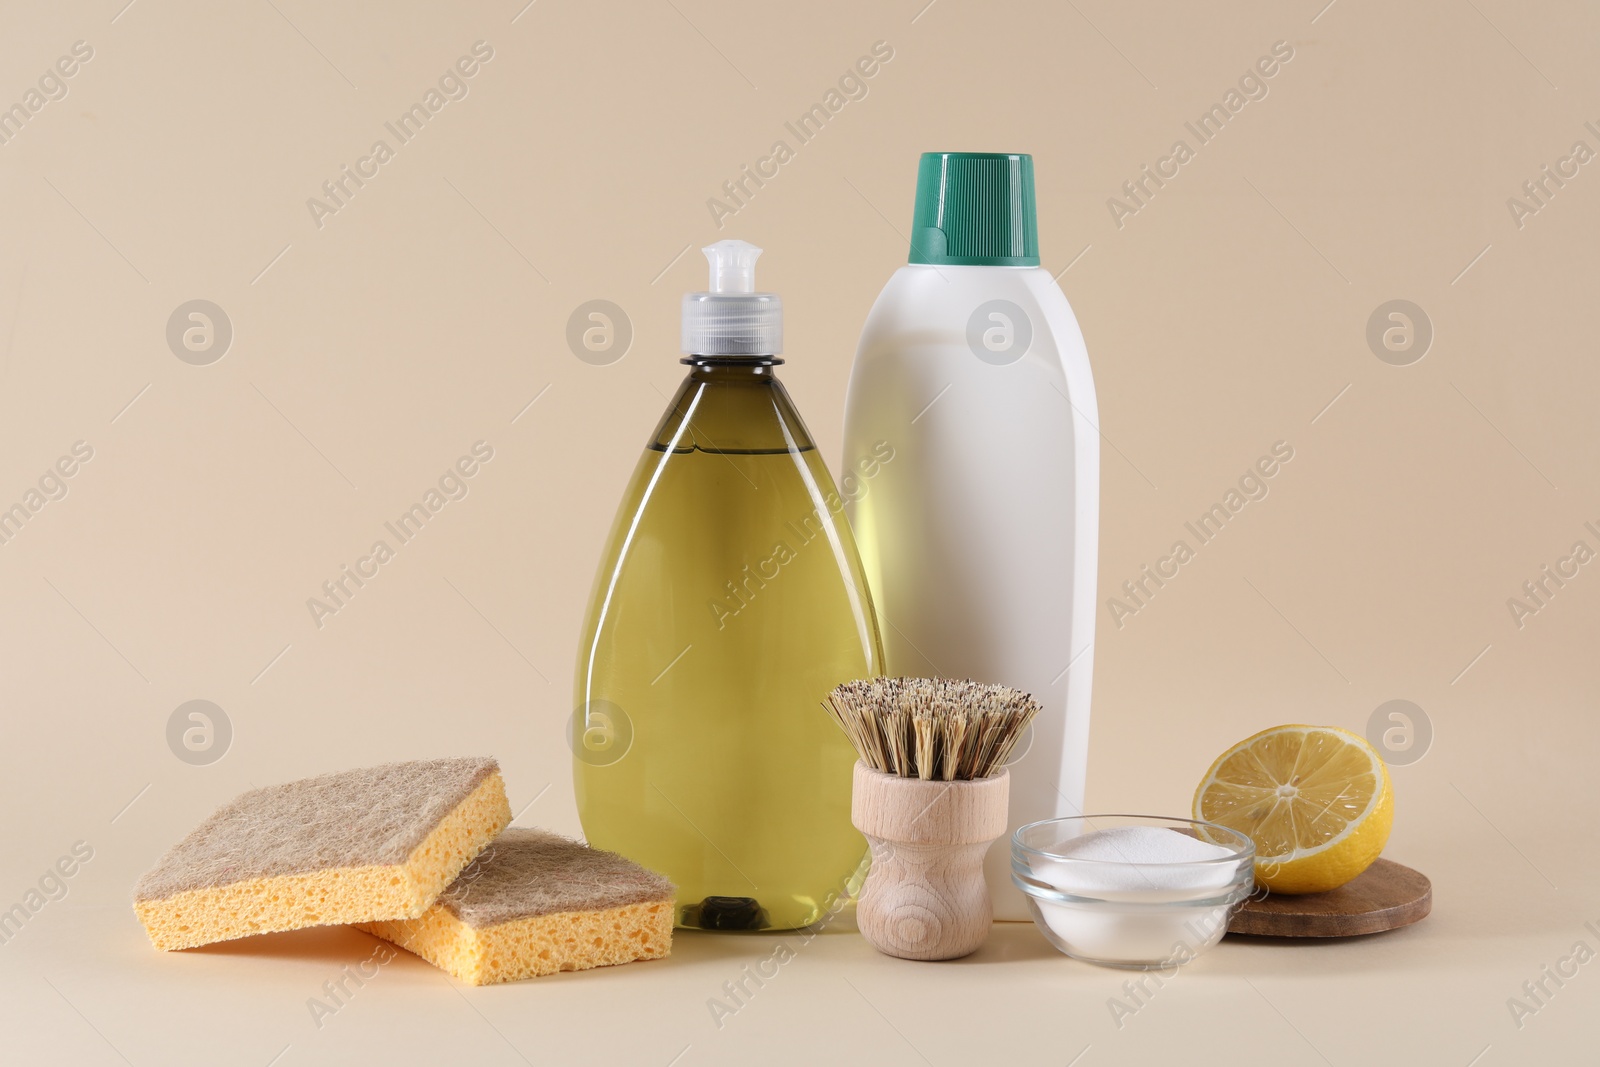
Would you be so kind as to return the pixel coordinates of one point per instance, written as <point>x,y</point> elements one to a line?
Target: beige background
<point>1229,313</point>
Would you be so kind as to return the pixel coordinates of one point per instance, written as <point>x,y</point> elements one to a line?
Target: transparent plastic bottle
<point>728,602</point>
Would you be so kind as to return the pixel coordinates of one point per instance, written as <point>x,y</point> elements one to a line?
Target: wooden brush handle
<point>925,897</point>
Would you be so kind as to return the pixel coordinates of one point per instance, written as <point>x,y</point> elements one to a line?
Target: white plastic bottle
<point>980,537</point>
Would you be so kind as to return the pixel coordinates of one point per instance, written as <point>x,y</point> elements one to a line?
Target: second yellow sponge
<point>536,903</point>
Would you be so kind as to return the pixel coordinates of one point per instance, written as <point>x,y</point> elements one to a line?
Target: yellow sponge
<point>535,903</point>
<point>358,846</point>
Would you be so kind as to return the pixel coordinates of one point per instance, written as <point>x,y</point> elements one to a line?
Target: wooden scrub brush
<point>931,791</point>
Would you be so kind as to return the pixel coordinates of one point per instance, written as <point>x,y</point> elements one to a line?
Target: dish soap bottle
<point>980,541</point>
<point>728,603</point>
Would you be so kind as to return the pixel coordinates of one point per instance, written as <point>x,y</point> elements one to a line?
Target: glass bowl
<point>1132,898</point>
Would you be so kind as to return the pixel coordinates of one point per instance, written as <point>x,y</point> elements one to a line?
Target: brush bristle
<point>936,729</point>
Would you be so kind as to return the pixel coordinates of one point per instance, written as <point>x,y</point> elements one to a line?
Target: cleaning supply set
<point>767,748</point>
<point>733,598</point>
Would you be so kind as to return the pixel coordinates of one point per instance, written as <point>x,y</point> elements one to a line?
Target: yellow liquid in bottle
<point>729,601</point>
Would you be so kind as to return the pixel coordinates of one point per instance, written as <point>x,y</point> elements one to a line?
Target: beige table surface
<point>1393,156</point>
<point>81,984</point>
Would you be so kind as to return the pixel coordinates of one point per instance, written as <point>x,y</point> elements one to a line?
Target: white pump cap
<point>732,319</point>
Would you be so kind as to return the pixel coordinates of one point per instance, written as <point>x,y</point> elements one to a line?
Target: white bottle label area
<point>980,541</point>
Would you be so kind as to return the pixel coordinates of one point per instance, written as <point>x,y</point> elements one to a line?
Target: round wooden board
<point>1386,896</point>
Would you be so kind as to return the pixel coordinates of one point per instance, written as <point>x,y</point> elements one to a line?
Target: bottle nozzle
<point>733,266</point>
<point>731,318</point>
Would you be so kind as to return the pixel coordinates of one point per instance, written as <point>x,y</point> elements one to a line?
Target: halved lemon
<point>1315,800</point>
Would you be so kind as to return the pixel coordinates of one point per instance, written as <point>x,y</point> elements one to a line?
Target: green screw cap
<point>975,209</point>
